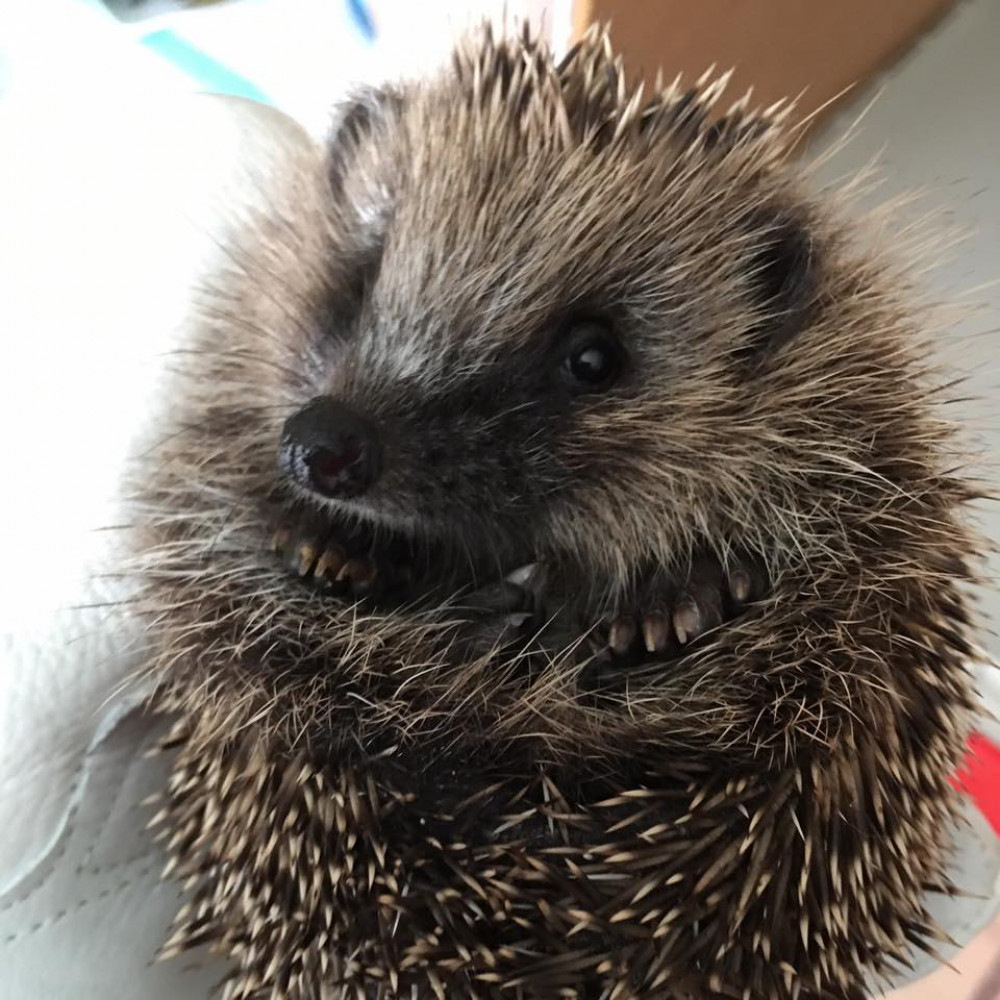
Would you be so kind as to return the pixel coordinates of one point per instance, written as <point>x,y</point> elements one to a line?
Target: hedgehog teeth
<point>531,578</point>
<point>522,575</point>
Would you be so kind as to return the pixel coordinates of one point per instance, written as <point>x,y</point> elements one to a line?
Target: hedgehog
<point>556,560</point>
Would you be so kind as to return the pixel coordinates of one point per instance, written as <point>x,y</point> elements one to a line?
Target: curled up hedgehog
<point>556,563</point>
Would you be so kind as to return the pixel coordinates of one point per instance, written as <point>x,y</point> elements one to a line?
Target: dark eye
<point>593,357</point>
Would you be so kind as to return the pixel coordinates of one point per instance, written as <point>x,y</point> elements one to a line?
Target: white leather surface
<point>87,918</point>
<point>106,216</point>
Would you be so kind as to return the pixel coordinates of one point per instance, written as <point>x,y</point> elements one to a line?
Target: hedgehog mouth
<point>670,611</point>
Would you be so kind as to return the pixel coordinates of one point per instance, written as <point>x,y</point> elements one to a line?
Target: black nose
<point>328,448</point>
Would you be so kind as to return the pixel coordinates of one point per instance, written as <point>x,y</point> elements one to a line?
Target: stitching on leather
<point>61,848</point>
<point>46,870</point>
<point>79,905</point>
<point>119,776</point>
<point>84,869</point>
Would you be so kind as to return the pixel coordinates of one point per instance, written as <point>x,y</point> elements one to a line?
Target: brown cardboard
<point>780,47</point>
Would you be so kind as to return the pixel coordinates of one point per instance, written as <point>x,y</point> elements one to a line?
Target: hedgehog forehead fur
<point>368,813</point>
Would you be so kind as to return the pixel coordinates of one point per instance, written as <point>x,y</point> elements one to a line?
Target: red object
<point>979,778</point>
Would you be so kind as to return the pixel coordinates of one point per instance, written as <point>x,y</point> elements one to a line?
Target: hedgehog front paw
<point>669,614</point>
<point>344,564</point>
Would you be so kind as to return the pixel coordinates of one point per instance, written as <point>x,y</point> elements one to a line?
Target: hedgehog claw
<point>655,632</point>
<point>621,635</point>
<point>747,582</point>
<point>330,564</point>
<point>688,624</point>
<point>739,586</point>
<point>669,614</point>
<point>281,537</point>
<point>301,556</point>
<point>359,573</point>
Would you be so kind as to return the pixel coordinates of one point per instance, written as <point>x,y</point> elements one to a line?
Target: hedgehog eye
<point>592,359</point>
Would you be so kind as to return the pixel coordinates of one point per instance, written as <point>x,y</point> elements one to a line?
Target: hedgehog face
<point>511,317</point>
<point>513,346</point>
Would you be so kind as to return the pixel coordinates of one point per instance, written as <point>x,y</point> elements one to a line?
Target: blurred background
<point>299,54</point>
<point>110,172</point>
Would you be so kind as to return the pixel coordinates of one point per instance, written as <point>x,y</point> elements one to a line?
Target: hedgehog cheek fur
<point>586,795</point>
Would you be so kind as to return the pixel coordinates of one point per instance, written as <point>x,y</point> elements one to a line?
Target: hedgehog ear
<point>355,119</point>
<point>782,270</point>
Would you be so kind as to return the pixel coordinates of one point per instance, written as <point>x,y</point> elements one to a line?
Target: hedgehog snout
<point>330,449</point>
